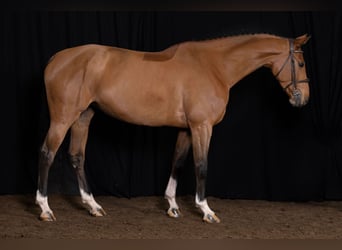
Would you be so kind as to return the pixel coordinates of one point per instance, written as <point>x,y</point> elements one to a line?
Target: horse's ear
<point>301,40</point>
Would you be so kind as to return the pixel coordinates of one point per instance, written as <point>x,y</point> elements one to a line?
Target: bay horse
<point>186,86</point>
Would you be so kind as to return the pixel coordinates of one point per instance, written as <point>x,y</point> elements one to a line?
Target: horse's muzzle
<point>297,99</point>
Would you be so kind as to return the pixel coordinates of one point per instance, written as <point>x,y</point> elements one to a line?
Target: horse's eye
<point>301,64</point>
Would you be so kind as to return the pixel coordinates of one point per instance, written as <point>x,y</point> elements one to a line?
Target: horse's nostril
<point>296,93</point>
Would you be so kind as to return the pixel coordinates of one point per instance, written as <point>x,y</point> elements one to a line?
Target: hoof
<point>211,218</point>
<point>174,212</point>
<point>98,212</point>
<point>47,216</point>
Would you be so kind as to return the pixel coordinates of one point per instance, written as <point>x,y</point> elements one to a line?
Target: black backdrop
<point>263,149</point>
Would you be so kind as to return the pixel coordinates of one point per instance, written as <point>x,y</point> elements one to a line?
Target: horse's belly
<point>137,109</point>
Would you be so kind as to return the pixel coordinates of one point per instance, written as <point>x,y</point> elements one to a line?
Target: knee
<point>76,160</point>
<point>46,156</point>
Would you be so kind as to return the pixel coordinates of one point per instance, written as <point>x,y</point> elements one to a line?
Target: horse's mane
<point>169,52</point>
<point>237,35</point>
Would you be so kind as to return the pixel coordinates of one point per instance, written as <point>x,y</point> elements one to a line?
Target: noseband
<point>291,57</point>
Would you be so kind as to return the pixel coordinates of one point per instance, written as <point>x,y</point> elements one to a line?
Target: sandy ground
<point>145,218</point>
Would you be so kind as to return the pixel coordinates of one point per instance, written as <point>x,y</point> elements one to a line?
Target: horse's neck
<point>242,57</point>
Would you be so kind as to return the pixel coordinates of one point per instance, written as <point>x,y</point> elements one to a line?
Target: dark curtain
<point>327,96</point>
<point>263,148</point>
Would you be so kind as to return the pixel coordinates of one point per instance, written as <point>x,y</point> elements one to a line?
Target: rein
<point>291,57</point>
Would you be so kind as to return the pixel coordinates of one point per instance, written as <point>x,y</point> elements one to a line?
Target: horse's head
<point>289,69</point>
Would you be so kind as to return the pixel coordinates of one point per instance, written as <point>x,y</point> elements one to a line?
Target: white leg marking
<point>42,201</point>
<point>209,215</point>
<point>170,193</point>
<point>203,205</point>
<point>94,208</point>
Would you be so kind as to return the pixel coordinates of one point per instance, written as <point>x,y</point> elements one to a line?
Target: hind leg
<point>182,147</point>
<point>78,139</point>
<point>48,151</point>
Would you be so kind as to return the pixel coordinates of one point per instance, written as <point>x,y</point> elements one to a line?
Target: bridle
<point>291,57</point>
